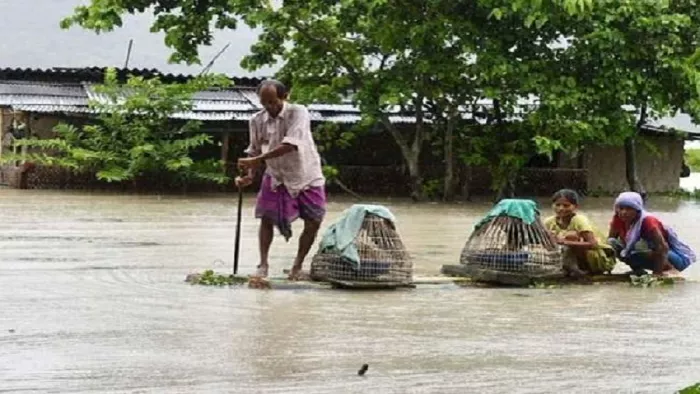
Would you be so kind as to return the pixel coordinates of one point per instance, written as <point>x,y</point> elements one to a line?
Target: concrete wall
<point>41,126</point>
<point>38,125</point>
<point>5,123</point>
<point>658,171</point>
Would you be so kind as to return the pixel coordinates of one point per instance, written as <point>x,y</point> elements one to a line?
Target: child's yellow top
<point>598,260</point>
<point>579,224</point>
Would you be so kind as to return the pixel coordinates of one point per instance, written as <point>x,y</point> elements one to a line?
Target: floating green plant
<point>544,285</point>
<point>210,278</point>
<point>650,281</point>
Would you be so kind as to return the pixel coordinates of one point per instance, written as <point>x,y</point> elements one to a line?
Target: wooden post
<point>2,129</point>
<point>27,130</point>
<point>225,146</point>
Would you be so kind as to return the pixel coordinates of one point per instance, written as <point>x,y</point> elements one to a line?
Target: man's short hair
<point>280,88</point>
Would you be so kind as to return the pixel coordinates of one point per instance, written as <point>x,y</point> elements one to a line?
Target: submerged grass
<point>650,281</point>
<point>210,278</point>
<point>645,280</point>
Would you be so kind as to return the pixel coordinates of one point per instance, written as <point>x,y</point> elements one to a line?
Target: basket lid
<point>525,210</point>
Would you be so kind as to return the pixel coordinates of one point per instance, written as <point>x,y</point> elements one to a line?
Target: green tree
<point>134,133</point>
<point>692,159</point>
<point>599,71</point>
<point>657,67</point>
<point>694,389</point>
<point>626,62</point>
<point>380,54</point>
<point>514,61</point>
<point>430,59</point>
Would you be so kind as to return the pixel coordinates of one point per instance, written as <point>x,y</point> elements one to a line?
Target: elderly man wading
<point>293,184</point>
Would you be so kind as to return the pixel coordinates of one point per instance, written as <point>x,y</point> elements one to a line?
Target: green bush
<point>692,159</point>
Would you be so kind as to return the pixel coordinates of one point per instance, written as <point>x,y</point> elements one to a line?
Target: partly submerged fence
<point>367,180</point>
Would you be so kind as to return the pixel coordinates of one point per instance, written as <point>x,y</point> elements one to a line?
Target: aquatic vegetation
<point>649,281</point>
<point>210,278</point>
<point>544,285</point>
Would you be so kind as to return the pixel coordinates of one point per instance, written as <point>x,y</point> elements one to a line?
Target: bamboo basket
<point>383,257</point>
<point>507,245</point>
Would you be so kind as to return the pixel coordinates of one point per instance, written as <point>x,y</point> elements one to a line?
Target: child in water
<point>586,251</point>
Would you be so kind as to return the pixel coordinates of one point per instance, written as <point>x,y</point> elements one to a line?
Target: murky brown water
<point>92,299</point>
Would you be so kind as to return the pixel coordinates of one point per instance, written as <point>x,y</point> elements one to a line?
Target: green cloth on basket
<point>525,210</point>
<point>340,236</point>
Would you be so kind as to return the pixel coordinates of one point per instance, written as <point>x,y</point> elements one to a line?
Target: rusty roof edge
<point>96,74</point>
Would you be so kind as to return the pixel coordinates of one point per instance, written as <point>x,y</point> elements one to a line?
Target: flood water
<point>92,299</point>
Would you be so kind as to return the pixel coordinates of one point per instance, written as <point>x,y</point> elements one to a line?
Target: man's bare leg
<point>306,240</point>
<point>265,235</point>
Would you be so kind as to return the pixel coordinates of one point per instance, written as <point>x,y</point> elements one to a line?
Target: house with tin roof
<point>49,77</point>
<point>38,99</point>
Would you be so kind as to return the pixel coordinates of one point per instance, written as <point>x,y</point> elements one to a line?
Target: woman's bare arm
<point>659,255</point>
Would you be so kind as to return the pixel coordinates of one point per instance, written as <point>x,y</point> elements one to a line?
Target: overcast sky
<point>30,36</point>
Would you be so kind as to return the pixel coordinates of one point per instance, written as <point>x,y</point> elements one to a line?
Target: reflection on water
<point>91,286</point>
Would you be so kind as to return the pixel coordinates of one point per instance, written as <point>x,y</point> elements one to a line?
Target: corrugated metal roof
<point>221,95</point>
<point>42,108</point>
<point>102,98</point>
<point>96,74</point>
<point>213,116</point>
<point>38,93</point>
<point>238,103</point>
<point>220,100</point>
<point>352,118</point>
<point>681,122</point>
<point>220,105</point>
<point>252,97</point>
<point>333,107</point>
<point>23,99</point>
<point>43,89</point>
<point>345,106</point>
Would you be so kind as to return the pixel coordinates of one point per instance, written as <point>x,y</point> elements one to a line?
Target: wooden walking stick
<point>237,245</point>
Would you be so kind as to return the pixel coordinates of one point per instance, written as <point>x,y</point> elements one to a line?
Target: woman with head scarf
<point>643,242</point>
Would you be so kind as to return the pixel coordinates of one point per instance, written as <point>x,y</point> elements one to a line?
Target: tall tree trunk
<point>411,155</point>
<point>631,156</point>
<point>410,152</point>
<point>448,187</point>
<point>415,176</point>
<point>506,189</point>
<point>466,192</point>
<point>631,166</point>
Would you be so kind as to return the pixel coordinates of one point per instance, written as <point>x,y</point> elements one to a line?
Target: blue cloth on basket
<point>525,210</point>
<point>340,236</point>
